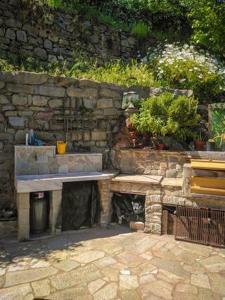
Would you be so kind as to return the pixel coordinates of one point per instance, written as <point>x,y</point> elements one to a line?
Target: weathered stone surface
<point>94,286</point>
<point>39,101</point>
<point>107,93</point>
<point>107,292</point>
<point>158,288</point>
<point>67,265</point>
<point>45,116</point>
<point>217,283</point>
<point>128,282</point>
<point>18,293</point>
<point>41,288</point>
<point>20,88</point>
<point>19,99</point>
<point>89,256</point>
<point>14,278</point>
<point>79,293</point>
<point>17,121</point>
<point>21,36</point>
<point>98,135</point>
<point>40,53</point>
<point>24,78</point>
<point>214,263</point>
<point>10,34</point>
<point>84,92</point>
<point>47,44</point>
<point>104,103</point>
<point>3,99</point>
<point>55,103</point>
<point>50,91</point>
<point>2,84</point>
<point>200,280</point>
<point>76,277</point>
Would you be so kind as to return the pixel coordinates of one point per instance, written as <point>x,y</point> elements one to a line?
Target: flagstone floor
<point>104,264</point>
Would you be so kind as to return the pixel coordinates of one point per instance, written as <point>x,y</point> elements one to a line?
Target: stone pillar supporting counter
<point>105,200</point>
<point>55,213</point>
<point>23,212</point>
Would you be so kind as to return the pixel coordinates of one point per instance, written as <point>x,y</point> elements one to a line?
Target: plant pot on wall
<point>199,145</point>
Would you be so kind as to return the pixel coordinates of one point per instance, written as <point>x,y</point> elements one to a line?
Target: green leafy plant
<point>140,30</point>
<point>166,115</point>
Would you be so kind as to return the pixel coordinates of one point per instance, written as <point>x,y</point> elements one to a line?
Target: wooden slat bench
<point>208,185</point>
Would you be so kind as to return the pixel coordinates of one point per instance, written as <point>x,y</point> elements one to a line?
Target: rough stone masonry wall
<point>44,103</point>
<point>54,35</point>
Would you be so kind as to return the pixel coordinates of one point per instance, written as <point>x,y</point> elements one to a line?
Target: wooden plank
<point>204,190</point>
<point>217,165</point>
<point>208,182</point>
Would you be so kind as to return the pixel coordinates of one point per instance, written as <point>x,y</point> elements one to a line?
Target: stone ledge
<point>146,179</point>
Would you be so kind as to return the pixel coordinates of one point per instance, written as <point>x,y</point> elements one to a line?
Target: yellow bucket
<point>61,147</point>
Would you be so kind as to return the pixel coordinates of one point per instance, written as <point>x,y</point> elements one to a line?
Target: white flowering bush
<point>185,67</point>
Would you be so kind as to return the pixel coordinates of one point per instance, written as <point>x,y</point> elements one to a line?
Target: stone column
<point>105,201</point>
<point>55,213</point>
<point>153,213</point>
<point>23,212</point>
<point>186,179</point>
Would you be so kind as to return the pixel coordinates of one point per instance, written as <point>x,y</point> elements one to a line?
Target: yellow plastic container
<point>61,147</point>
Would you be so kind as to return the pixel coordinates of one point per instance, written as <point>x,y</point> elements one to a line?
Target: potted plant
<point>167,115</point>
<point>200,141</point>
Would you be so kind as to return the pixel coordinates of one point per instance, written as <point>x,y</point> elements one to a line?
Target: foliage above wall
<point>186,67</point>
<point>167,115</point>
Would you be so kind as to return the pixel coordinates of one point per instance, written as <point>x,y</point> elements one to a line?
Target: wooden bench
<point>208,185</point>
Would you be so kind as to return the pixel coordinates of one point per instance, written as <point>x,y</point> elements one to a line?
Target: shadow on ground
<point>41,248</point>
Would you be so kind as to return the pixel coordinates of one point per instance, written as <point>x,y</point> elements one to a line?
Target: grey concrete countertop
<point>50,182</point>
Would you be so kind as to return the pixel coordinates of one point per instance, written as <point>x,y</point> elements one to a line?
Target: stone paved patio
<point>104,264</point>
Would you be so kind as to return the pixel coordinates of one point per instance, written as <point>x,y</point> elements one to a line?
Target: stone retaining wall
<point>50,105</point>
<point>53,35</point>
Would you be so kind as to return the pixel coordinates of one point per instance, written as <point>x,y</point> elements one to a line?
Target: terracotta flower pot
<point>199,145</point>
<point>161,146</point>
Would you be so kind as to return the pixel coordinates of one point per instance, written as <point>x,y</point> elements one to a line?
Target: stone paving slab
<point>104,264</point>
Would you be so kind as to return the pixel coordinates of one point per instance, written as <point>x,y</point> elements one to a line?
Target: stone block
<point>88,103</point>
<point>41,53</point>
<point>44,115</point>
<point>104,103</point>
<point>54,103</point>
<point>19,99</point>
<point>78,92</point>
<point>21,36</point>
<point>171,173</point>
<point>2,84</point>
<point>10,34</point>
<point>3,99</point>
<point>39,101</point>
<point>84,83</point>
<point>47,44</point>
<point>19,88</point>
<point>52,58</point>
<point>98,135</point>
<point>12,113</point>
<point>48,90</point>
<point>17,121</point>
<point>110,112</point>
<point>108,93</point>
<point>24,78</point>
<point>87,136</point>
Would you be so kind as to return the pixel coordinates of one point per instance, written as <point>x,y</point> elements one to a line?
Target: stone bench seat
<point>53,182</point>
<point>135,184</point>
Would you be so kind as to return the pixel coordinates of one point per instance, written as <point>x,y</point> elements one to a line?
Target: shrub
<point>140,30</point>
<point>185,67</point>
<point>207,19</point>
<point>165,115</point>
